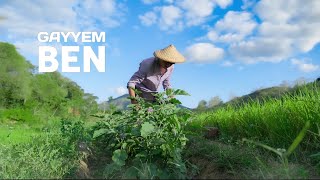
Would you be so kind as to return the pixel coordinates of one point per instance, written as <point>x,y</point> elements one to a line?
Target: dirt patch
<point>209,169</point>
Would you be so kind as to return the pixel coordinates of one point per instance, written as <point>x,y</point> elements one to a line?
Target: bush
<point>146,136</point>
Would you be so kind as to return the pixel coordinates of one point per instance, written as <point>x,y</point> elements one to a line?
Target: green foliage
<point>44,95</point>
<point>74,133</point>
<point>202,105</point>
<point>46,155</point>
<point>215,101</point>
<point>15,76</point>
<point>146,129</point>
<point>274,121</point>
<point>148,132</point>
<point>282,153</point>
<point>43,157</point>
<point>18,114</point>
<point>119,157</point>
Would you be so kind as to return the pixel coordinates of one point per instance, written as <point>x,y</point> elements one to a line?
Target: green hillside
<point>261,96</point>
<point>119,103</point>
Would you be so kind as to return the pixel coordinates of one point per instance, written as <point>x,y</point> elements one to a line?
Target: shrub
<point>148,135</point>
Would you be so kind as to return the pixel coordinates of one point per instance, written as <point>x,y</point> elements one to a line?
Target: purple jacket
<point>148,78</point>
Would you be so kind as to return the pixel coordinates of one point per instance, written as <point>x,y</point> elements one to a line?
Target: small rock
<point>212,133</point>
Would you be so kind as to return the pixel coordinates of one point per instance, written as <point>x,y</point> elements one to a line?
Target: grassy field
<point>14,134</point>
<point>274,122</point>
<point>272,126</point>
<point>51,149</point>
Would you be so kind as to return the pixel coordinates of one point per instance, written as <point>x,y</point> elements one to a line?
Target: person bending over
<point>153,72</point>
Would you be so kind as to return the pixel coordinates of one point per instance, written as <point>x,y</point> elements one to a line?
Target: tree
<point>48,93</point>
<point>215,101</point>
<point>111,106</point>
<point>202,105</point>
<point>90,105</point>
<point>15,76</point>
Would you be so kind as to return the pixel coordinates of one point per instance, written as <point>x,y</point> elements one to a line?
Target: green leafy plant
<point>147,133</point>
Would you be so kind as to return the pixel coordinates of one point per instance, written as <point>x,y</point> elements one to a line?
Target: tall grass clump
<point>275,122</point>
<point>49,155</point>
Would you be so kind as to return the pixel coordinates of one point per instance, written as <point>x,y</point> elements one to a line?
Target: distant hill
<point>272,92</point>
<point>263,94</point>
<point>121,103</point>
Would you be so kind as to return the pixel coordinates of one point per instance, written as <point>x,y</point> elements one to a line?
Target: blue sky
<point>232,47</point>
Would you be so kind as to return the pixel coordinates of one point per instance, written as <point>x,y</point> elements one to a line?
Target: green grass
<point>209,159</point>
<point>38,151</point>
<point>43,157</point>
<point>14,134</point>
<point>275,122</point>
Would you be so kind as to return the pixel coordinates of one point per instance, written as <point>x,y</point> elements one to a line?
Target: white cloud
<point>224,3</point>
<point>235,26</point>
<point>295,19</point>
<point>25,19</point>
<point>185,13</point>
<point>40,17</point>
<point>108,13</point>
<point>196,11</point>
<point>260,49</point>
<point>170,16</point>
<point>148,19</point>
<point>287,28</point>
<point>121,91</point>
<point>203,53</point>
<point>247,4</point>
<point>303,66</point>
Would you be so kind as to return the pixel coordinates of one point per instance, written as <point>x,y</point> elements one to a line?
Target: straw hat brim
<point>170,54</point>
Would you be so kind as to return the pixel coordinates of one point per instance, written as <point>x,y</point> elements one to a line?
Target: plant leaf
<point>146,129</point>
<point>298,139</point>
<point>119,157</point>
<point>174,101</point>
<point>99,132</point>
<point>264,146</point>
<point>181,92</point>
<point>169,91</point>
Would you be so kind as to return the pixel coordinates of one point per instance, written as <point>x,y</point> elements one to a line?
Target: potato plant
<point>147,133</point>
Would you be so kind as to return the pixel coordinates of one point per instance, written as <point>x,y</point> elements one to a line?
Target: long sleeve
<point>137,77</point>
<point>166,83</point>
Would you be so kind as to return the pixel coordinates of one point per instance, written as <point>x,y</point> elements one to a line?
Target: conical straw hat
<point>169,54</point>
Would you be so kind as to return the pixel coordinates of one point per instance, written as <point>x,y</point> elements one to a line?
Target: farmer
<point>153,72</point>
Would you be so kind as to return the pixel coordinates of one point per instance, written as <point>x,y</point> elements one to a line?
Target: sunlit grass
<point>273,121</point>
<point>14,134</point>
